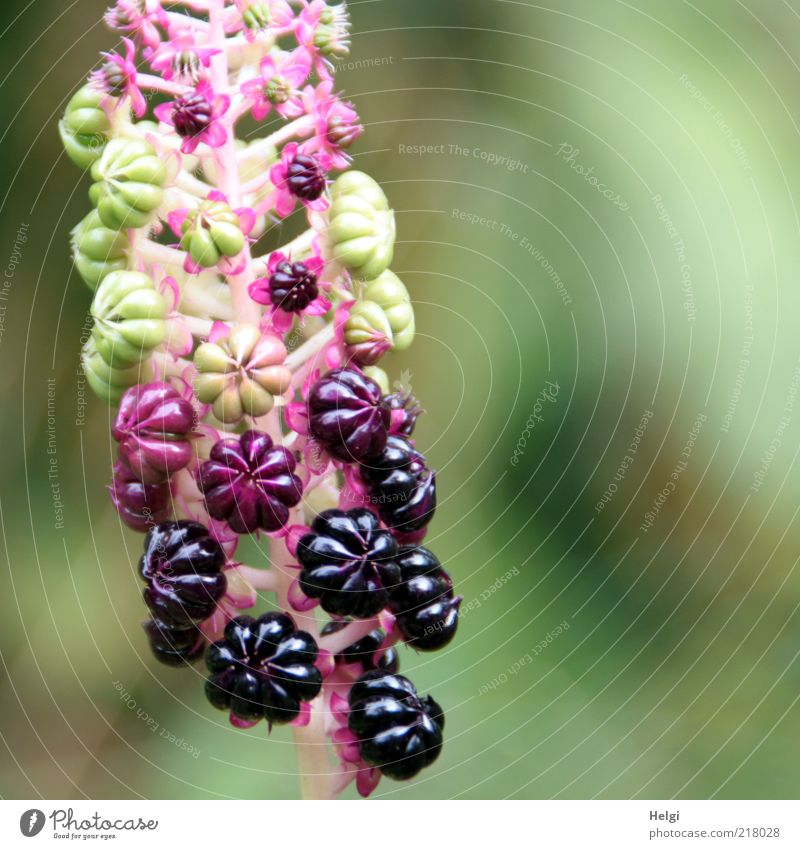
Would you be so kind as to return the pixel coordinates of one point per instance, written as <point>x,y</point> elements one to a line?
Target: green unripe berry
<point>211,232</point>
<point>110,383</point>
<point>391,295</point>
<point>85,127</point>
<point>98,250</point>
<point>130,318</point>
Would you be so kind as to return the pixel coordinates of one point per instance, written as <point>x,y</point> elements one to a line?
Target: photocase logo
<point>31,822</point>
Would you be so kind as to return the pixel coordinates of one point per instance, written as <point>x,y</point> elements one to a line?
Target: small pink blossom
<point>278,84</point>
<point>334,119</point>
<point>139,18</point>
<point>281,18</point>
<point>317,19</point>
<point>181,57</point>
<point>283,199</point>
<point>196,117</point>
<point>117,77</point>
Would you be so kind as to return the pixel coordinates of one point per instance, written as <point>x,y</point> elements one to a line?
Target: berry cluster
<point>250,399</point>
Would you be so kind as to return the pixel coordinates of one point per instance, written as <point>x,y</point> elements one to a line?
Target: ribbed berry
<point>398,732</point>
<point>348,563</point>
<point>423,604</point>
<point>306,178</point>
<point>293,286</point>
<point>182,566</point>
<point>250,483</point>
<point>140,505</point>
<point>191,114</point>
<point>348,415</point>
<point>401,485</point>
<point>174,646</point>
<point>363,652</point>
<point>263,668</point>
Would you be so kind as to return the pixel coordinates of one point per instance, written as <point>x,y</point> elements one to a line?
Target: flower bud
<point>97,250</point>
<point>256,17</point>
<point>392,296</point>
<point>241,373</point>
<point>361,226</point>
<point>110,383</point>
<point>211,232</point>
<point>367,332</point>
<point>85,127</point>
<point>130,318</point>
<point>129,179</point>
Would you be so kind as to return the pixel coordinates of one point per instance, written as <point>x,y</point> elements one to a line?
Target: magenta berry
<point>153,427</point>
<point>250,483</point>
<point>306,179</point>
<point>191,114</point>
<point>293,286</point>
<point>140,505</point>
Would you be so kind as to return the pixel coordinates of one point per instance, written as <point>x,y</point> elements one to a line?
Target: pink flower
<point>181,57</point>
<point>140,18</point>
<point>278,84</point>
<point>254,16</point>
<point>335,122</point>
<point>299,176</point>
<point>195,117</point>
<point>291,288</point>
<point>117,77</point>
<point>324,31</point>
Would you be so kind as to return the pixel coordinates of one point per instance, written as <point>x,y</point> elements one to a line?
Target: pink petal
<point>319,306</point>
<point>214,135</point>
<point>190,145</point>
<point>163,113</point>
<point>241,723</point>
<point>340,709</point>
<point>299,600</point>
<point>169,284</point>
<point>175,220</point>
<point>293,535</point>
<point>218,330</point>
<point>367,780</point>
<point>216,194</point>
<point>303,718</point>
<point>247,219</point>
<point>296,415</point>
<point>325,663</point>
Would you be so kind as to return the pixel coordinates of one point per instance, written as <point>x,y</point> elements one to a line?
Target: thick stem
<point>316,772</point>
<point>311,348</point>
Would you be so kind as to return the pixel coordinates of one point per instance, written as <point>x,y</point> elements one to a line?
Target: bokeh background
<point>605,213</point>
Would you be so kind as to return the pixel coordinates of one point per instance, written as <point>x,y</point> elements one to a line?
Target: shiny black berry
<point>398,732</point>
<point>363,652</point>
<point>174,646</point>
<point>182,566</point>
<point>263,668</point>
<point>401,486</point>
<point>423,604</point>
<point>306,178</point>
<point>292,286</point>
<point>191,114</point>
<point>348,563</point>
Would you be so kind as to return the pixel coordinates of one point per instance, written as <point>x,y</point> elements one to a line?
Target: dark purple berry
<point>174,646</point>
<point>348,415</point>
<point>306,178</point>
<point>423,604</point>
<point>263,668</point>
<point>411,412</point>
<point>348,563</point>
<point>250,483</point>
<point>363,651</point>
<point>401,485</point>
<point>293,286</point>
<point>398,732</point>
<point>182,566</point>
<point>191,114</point>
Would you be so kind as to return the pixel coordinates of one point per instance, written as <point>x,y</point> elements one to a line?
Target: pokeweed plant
<point>248,397</point>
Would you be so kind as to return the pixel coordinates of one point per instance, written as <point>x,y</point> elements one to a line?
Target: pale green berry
<point>85,127</point>
<point>361,230</point>
<point>392,296</point>
<point>211,232</point>
<point>130,318</point>
<point>110,383</point>
<point>98,250</point>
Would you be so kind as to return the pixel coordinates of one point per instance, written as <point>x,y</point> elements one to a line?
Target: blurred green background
<point>606,201</point>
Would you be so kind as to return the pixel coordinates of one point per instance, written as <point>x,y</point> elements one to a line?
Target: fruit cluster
<point>248,392</point>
